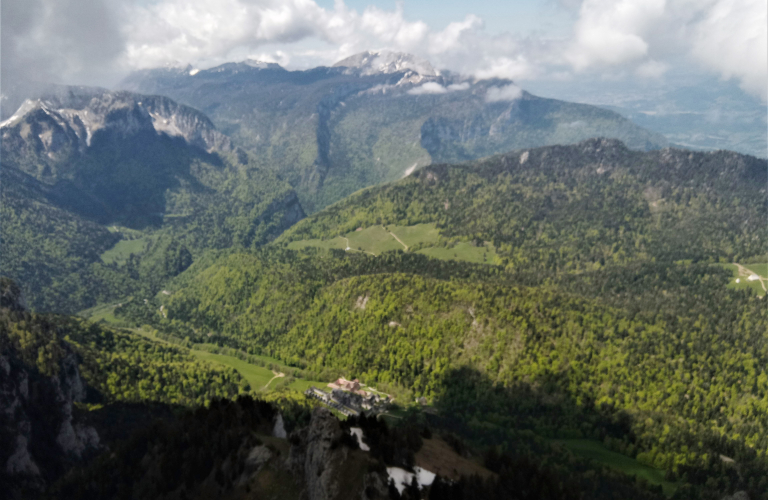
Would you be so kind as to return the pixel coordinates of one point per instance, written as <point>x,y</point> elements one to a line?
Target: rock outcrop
<point>321,454</point>
<point>39,437</point>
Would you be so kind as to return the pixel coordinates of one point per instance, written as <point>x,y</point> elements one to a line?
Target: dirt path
<point>744,271</point>
<point>398,239</point>
<point>277,375</point>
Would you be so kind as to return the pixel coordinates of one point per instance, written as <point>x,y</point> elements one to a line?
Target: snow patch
<point>358,432</point>
<point>403,478</point>
<point>279,429</point>
<point>194,72</point>
<point>371,63</point>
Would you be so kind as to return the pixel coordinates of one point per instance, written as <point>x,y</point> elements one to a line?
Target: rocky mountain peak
<point>67,120</point>
<point>255,63</point>
<point>385,62</point>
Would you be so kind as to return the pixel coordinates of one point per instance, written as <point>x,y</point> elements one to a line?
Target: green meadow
<point>119,253</point>
<point>377,239</point>
<point>595,450</point>
<point>744,284</point>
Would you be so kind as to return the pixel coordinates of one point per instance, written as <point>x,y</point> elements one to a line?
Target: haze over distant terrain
<point>641,57</point>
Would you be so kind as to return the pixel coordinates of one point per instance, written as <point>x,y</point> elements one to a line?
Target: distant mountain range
<point>375,117</point>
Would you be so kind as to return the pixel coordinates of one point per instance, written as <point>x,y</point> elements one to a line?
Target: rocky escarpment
<point>61,126</point>
<point>39,437</point>
<point>323,454</point>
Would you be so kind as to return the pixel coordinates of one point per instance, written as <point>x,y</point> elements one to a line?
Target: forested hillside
<point>604,317</point>
<point>575,208</point>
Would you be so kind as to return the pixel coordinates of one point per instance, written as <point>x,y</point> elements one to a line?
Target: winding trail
<point>277,375</point>
<point>744,271</point>
<point>398,239</point>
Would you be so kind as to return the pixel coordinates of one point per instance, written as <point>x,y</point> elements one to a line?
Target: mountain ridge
<point>331,131</point>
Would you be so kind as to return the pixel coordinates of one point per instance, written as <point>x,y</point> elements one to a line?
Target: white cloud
<point>733,40</point>
<point>651,69</point>
<point>428,88</point>
<point>729,37</point>
<point>436,88</point>
<point>506,93</point>
<point>82,39</point>
<point>458,86</point>
<point>451,37</point>
<point>514,68</point>
<point>610,32</point>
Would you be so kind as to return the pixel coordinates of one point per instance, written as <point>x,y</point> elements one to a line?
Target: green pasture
<point>463,251</point>
<point>377,239</point>
<point>103,312</point>
<point>595,450</point>
<point>426,234</point>
<point>256,376</point>
<point>124,248</point>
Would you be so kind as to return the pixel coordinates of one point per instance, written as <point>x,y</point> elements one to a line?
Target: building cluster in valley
<point>349,398</point>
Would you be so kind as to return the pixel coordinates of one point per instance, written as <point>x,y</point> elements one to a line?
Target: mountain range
<point>375,117</point>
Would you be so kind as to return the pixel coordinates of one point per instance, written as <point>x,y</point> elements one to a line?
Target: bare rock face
<point>321,454</point>
<point>315,455</point>
<point>739,495</point>
<point>39,437</point>
<point>61,126</point>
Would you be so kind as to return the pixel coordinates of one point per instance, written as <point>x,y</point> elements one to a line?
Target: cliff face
<point>328,467</point>
<point>60,127</point>
<point>39,438</point>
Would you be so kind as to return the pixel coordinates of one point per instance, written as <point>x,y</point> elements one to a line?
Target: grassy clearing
<point>374,239</point>
<point>744,284</point>
<point>427,234</point>
<point>259,376</point>
<point>378,239</point>
<point>256,376</point>
<point>102,313</point>
<point>337,242</point>
<point>595,450</point>
<point>463,251</point>
<point>759,269</point>
<point>124,248</point>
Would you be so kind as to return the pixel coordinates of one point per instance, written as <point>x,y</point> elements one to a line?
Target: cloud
<point>729,37</point>
<point>93,41</point>
<point>506,93</point>
<point>732,39</point>
<point>458,86</point>
<point>610,32</point>
<point>514,68</point>
<point>651,69</point>
<point>55,40</point>
<point>436,88</point>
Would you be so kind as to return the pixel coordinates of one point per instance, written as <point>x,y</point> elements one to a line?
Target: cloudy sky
<point>642,42</point>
